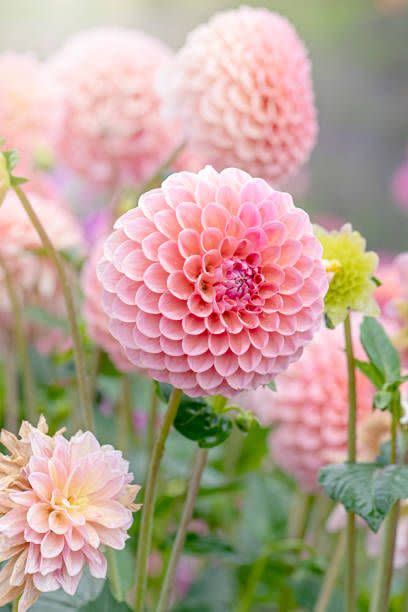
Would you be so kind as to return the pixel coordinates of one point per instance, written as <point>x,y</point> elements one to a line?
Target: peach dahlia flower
<point>110,130</point>
<point>310,409</point>
<point>96,318</point>
<point>214,283</point>
<point>241,86</point>
<point>34,274</point>
<point>60,500</point>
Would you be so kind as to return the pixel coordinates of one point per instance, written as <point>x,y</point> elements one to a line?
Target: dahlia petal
<point>249,213</point>
<point>249,360</point>
<point>37,517</point>
<point>170,257</point>
<point>218,344</point>
<point>209,379</point>
<point>138,229</point>
<point>216,216</point>
<point>147,300</point>
<point>211,239</point>
<point>156,277</point>
<point>200,363</point>
<point>108,513</point>
<point>96,562</point>
<point>172,329</point>
<point>135,264</point>
<point>198,306</point>
<point>226,364</point>
<point>149,324</point>
<point>52,545</point>
<point>151,245</point>
<point>193,325</point>
<point>196,344</point>
<point>228,198</point>
<point>172,307</point>
<point>189,216</point>
<point>58,522</point>
<point>126,289</point>
<point>189,243</point>
<point>179,285</point>
<point>74,561</point>
<point>67,582</point>
<point>74,539</point>
<point>46,583</point>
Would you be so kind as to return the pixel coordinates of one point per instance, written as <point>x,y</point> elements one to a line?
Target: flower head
<point>110,129</point>
<point>250,104</point>
<point>60,500</point>
<point>96,318</point>
<point>35,275</point>
<point>310,409</point>
<point>351,286</point>
<point>28,106</point>
<point>215,283</point>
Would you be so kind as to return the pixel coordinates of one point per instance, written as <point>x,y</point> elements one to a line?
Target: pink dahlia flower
<point>400,186</point>
<point>28,103</point>
<point>110,128</point>
<point>242,88</point>
<point>215,283</point>
<point>310,409</point>
<point>96,318</point>
<point>60,500</point>
<point>35,276</point>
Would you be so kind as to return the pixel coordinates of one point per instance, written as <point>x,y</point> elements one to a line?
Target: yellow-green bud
<point>4,178</point>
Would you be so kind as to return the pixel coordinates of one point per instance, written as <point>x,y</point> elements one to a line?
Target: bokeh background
<point>359,52</point>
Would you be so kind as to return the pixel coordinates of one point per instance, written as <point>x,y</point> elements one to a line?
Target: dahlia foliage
<point>161,295</point>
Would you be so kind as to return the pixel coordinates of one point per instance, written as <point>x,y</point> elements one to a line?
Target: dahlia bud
<point>4,177</point>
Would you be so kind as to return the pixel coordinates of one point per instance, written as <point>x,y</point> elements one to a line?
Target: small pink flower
<point>96,318</point>
<point>110,130</point>
<point>310,409</point>
<point>34,274</point>
<point>214,283</point>
<point>60,501</point>
<point>241,86</point>
<point>28,107</point>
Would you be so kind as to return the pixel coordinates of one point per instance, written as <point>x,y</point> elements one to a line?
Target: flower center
<point>236,284</point>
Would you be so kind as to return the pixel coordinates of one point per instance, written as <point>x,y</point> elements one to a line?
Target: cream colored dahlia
<point>60,501</point>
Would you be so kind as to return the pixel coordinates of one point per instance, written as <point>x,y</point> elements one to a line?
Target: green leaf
<point>372,373</point>
<point>382,400</point>
<point>272,386</point>
<point>105,603</point>
<point>197,420</point>
<point>379,349</point>
<point>15,181</point>
<point>207,545</point>
<point>367,489</point>
<point>376,281</point>
<point>329,323</point>
<point>11,159</point>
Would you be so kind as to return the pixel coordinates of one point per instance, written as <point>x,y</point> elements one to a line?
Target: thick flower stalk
<point>250,104</point>
<point>310,409</point>
<point>352,286</point>
<point>110,128</point>
<point>214,283</point>
<point>60,501</point>
<point>33,272</point>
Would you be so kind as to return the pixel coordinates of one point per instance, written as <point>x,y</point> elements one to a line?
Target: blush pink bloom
<point>34,275</point>
<point>400,186</point>
<point>28,107</point>
<point>242,88</point>
<point>214,283</point>
<point>310,409</point>
<point>60,500</point>
<point>96,319</point>
<point>110,130</point>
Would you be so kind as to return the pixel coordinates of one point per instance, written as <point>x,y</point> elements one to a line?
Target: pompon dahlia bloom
<point>110,130</point>
<point>28,106</point>
<point>310,408</point>
<point>250,103</point>
<point>60,500</point>
<point>34,274</point>
<point>215,283</point>
<point>96,318</point>
<point>352,286</point>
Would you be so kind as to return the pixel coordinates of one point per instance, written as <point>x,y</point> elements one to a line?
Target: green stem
<point>11,417</point>
<point>331,575</point>
<point>146,526</point>
<point>193,488</point>
<point>152,418</point>
<point>14,606</point>
<point>299,514</point>
<point>83,391</point>
<point>125,425</point>
<point>113,573</point>
<point>385,566</point>
<point>21,341</point>
<point>351,458</point>
<point>254,577</point>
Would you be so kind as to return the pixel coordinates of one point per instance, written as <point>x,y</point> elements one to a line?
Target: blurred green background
<point>359,52</point>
